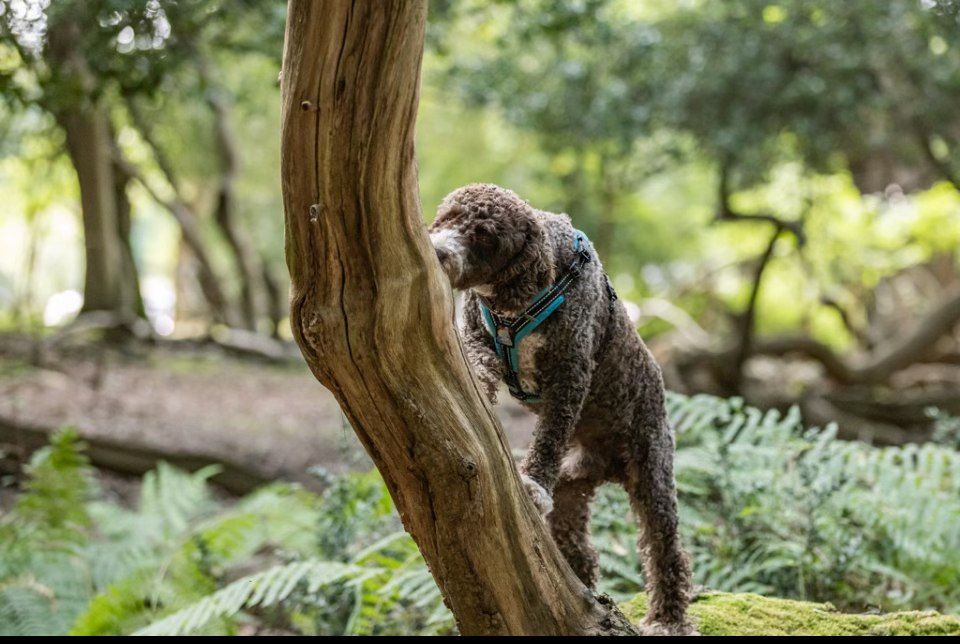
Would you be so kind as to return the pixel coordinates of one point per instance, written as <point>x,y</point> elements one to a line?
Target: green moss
<point>748,614</point>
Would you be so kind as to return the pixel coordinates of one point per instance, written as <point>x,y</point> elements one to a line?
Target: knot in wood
<point>468,468</point>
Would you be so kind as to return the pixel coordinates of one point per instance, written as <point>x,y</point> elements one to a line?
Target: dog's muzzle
<point>450,252</point>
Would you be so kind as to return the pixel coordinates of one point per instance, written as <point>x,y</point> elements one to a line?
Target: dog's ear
<point>445,212</point>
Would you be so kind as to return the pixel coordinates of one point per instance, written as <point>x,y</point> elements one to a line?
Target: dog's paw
<point>541,498</point>
<point>650,627</point>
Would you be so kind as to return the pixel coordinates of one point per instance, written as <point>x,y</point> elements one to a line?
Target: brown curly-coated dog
<point>601,417</point>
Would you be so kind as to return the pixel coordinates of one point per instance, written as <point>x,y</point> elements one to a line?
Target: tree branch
<point>192,236</point>
<point>911,348</point>
<point>748,317</point>
<point>915,346</point>
<point>145,130</point>
<point>847,320</point>
<point>725,211</point>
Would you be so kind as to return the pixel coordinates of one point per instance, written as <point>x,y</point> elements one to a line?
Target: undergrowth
<point>767,505</point>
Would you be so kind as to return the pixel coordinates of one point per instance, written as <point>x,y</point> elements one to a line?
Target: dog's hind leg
<point>653,496</point>
<point>569,524</point>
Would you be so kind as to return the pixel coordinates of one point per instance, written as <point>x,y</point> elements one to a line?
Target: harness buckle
<point>504,337</point>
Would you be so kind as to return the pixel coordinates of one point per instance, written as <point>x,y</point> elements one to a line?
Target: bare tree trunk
<point>23,308</point>
<point>606,227</point>
<point>19,440</point>
<point>372,314</point>
<point>276,299</point>
<point>248,262</point>
<point>89,141</point>
<point>129,274</point>
<point>88,144</point>
<point>748,319</point>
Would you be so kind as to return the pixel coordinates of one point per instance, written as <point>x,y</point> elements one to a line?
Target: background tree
<point>759,95</point>
<point>83,60</point>
<point>66,65</point>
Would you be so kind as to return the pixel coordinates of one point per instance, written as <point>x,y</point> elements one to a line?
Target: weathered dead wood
<point>914,346</point>
<point>373,317</point>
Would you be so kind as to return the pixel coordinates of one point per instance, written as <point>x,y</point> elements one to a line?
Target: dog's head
<point>484,234</point>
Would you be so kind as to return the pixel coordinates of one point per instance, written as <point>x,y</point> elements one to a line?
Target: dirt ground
<point>275,419</point>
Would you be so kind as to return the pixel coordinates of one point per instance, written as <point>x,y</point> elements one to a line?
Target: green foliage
<point>946,428</point>
<point>43,580</point>
<point>188,547</point>
<point>618,113</point>
<point>767,507</point>
<point>334,564</point>
<point>750,81</point>
<point>770,507</point>
<point>809,105</point>
<point>264,590</point>
<point>58,487</point>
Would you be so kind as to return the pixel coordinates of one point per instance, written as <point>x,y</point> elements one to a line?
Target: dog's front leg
<point>480,350</point>
<point>563,389</point>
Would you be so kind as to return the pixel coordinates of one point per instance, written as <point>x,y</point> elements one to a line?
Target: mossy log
<point>748,614</point>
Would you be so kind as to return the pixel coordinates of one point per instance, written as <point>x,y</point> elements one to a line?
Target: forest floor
<point>274,419</point>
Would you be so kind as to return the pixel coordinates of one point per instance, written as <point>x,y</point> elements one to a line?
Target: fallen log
<point>19,440</point>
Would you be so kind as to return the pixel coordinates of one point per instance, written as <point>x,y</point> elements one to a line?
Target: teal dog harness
<point>508,333</point>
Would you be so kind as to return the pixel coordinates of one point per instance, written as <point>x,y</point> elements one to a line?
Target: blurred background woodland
<point>773,186</point>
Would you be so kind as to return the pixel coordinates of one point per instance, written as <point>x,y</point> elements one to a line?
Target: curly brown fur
<point>601,417</point>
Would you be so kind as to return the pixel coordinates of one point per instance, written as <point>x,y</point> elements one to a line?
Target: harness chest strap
<point>507,332</point>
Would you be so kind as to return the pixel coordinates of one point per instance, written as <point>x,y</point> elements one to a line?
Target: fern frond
<point>264,589</point>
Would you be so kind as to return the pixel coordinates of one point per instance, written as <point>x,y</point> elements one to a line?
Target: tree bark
<point>748,319</point>
<point>276,299</point>
<point>88,145</point>
<point>915,345</point>
<point>372,315</point>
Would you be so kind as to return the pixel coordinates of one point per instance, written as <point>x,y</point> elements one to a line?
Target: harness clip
<point>503,336</point>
